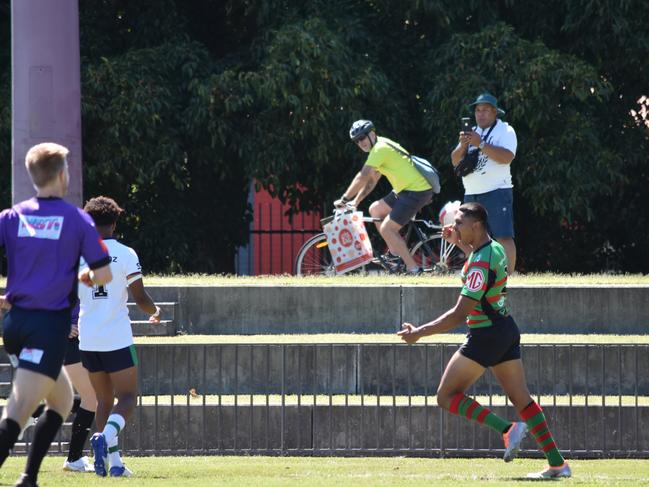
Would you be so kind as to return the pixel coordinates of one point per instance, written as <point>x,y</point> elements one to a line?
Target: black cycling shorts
<point>494,344</point>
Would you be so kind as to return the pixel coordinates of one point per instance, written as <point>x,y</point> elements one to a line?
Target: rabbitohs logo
<point>474,280</point>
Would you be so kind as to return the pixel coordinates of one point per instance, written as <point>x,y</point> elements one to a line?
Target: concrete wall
<point>590,432</point>
<point>368,309</point>
<point>381,309</point>
<point>382,369</point>
<point>585,432</point>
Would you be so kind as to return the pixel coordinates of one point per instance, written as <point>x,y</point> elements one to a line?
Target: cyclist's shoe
<point>513,439</point>
<point>389,258</point>
<point>80,465</point>
<point>562,471</point>
<point>122,471</point>
<point>100,448</point>
<point>392,263</point>
<point>416,272</point>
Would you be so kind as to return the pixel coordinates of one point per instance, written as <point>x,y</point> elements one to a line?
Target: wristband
<point>481,146</point>
<point>157,312</point>
<point>344,199</point>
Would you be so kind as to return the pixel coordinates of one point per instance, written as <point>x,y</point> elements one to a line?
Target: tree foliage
<point>185,102</point>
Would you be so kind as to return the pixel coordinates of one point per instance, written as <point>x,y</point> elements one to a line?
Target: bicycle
<point>424,237</point>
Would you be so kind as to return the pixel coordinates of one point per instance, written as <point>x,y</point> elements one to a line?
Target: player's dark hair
<point>476,212</point>
<point>103,210</point>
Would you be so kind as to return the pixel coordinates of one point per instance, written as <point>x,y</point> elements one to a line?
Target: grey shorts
<point>500,208</point>
<point>406,204</point>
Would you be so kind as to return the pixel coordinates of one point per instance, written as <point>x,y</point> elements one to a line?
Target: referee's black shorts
<point>36,339</point>
<point>494,344</point>
<point>72,354</point>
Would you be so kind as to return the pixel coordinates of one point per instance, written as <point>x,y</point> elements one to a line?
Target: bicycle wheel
<point>437,255</point>
<point>314,258</point>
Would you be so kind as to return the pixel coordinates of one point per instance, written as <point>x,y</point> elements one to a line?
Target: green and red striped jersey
<point>484,278</point>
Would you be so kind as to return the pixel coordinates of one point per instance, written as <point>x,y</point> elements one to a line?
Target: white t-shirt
<point>104,324</point>
<point>490,175</point>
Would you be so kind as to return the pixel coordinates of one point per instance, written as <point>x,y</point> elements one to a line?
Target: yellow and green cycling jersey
<point>396,167</point>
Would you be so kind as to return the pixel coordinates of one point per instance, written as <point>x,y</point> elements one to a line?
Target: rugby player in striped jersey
<point>493,342</point>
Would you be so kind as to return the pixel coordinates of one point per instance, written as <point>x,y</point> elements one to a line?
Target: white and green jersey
<point>104,324</point>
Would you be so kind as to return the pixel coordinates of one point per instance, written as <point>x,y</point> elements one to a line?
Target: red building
<point>275,238</point>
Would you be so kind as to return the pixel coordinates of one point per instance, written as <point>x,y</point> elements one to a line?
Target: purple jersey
<point>43,239</point>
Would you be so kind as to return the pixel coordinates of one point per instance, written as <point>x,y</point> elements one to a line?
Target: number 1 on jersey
<point>99,292</point>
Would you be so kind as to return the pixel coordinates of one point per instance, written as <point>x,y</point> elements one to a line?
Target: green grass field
<point>327,472</point>
<point>532,279</point>
<point>355,338</point>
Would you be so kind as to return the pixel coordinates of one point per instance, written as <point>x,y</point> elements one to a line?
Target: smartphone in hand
<point>466,125</point>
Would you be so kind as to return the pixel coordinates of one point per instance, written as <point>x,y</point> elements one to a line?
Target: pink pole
<point>46,87</point>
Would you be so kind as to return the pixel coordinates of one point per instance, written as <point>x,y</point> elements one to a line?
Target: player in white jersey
<point>106,338</point>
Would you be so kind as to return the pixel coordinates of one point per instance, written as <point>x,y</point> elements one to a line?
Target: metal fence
<point>368,399</point>
<point>275,239</point>
<point>373,399</point>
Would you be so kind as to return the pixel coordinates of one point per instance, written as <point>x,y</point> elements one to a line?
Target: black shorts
<point>494,344</point>
<point>406,204</point>
<point>37,339</point>
<point>109,362</point>
<point>72,354</point>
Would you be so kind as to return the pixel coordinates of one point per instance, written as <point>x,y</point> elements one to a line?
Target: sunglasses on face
<point>360,139</point>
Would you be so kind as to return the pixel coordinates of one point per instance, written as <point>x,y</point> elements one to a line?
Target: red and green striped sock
<point>538,428</point>
<point>462,405</point>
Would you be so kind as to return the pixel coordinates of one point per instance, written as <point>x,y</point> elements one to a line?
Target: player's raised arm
<point>142,297</point>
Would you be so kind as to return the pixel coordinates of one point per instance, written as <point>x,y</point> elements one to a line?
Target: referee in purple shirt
<point>43,239</point>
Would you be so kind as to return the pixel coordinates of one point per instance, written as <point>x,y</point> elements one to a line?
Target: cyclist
<point>410,190</point>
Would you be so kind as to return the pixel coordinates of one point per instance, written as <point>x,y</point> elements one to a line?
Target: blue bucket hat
<point>487,97</point>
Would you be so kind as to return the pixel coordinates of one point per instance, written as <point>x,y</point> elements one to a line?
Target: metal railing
<point>351,399</point>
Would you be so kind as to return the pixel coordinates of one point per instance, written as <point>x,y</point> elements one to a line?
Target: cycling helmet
<point>360,128</point>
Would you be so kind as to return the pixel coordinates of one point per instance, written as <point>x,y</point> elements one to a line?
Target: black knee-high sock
<point>44,433</point>
<point>9,431</point>
<point>76,404</point>
<point>38,411</point>
<point>41,407</point>
<point>80,431</point>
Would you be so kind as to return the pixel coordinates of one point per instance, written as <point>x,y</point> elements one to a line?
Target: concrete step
<point>63,435</point>
<point>21,448</point>
<point>144,328</point>
<point>168,311</point>
<point>5,389</point>
<point>6,372</point>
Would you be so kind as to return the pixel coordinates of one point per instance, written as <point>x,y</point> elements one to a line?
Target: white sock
<point>113,454</point>
<point>114,425</point>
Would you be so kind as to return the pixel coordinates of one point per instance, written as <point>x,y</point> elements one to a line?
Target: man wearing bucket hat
<point>490,184</point>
